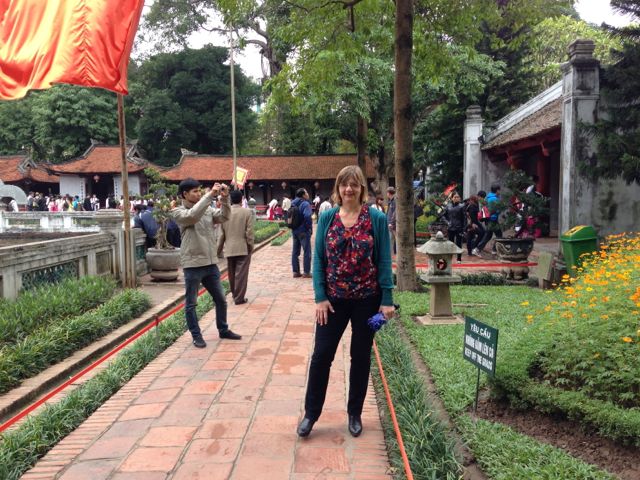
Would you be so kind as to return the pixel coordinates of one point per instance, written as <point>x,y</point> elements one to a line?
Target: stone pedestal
<point>440,276</point>
<point>440,307</point>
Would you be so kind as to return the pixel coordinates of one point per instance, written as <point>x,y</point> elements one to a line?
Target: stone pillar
<point>580,93</point>
<point>110,221</point>
<point>472,181</point>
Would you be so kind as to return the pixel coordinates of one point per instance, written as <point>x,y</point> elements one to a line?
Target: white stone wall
<point>73,185</point>
<point>134,185</point>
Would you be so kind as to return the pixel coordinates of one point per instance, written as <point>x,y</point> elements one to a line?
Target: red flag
<point>82,42</point>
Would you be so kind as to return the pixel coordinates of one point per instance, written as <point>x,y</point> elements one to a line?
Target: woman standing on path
<point>455,215</point>
<point>352,281</point>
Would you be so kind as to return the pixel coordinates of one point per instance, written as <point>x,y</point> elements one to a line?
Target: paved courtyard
<point>229,411</point>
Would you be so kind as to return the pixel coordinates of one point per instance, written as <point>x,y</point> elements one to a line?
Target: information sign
<point>480,345</point>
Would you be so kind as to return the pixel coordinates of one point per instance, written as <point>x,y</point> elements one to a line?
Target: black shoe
<point>199,342</point>
<point>229,335</point>
<point>306,275</point>
<point>355,425</point>
<point>296,275</point>
<point>242,302</point>
<point>304,429</point>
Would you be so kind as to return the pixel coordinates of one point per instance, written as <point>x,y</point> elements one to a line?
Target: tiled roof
<point>9,171</point>
<point>263,167</point>
<point>15,168</point>
<point>39,174</point>
<point>102,159</point>
<point>544,120</point>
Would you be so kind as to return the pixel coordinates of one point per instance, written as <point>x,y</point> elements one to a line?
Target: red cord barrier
<point>155,322</point>
<point>394,419</point>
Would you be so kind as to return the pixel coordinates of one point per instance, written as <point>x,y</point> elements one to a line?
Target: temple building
<point>545,138</point>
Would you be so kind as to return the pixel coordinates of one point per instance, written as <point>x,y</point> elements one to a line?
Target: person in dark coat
<point>456,217</point>
<point>475,230</point>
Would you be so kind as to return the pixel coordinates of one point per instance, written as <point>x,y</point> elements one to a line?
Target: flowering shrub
<point>585,341</point>
<point>595,326</point>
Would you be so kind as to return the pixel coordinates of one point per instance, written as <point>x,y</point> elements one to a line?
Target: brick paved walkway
<point>229,411</point>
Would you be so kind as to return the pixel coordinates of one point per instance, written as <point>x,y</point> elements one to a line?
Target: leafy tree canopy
<point>182,100</point>
<point>58,124</point>
<point>550,40</point>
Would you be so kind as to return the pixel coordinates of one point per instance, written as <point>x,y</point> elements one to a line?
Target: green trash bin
<point>576,241</point>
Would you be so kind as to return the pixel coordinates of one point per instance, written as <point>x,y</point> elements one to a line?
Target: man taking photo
<point>198,252</point>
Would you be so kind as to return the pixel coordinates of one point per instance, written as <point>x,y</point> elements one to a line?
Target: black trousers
<point>327,339</point>
<point>456,237</point>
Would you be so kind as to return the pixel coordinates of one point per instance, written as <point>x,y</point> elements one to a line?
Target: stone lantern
<point>440,276</point>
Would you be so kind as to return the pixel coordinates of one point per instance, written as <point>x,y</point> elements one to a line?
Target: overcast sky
<point>598,11</point>
<point>593,11</point>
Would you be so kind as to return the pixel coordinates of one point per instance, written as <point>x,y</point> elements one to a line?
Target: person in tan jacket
<point>198,252</point>
<point>237,243</point>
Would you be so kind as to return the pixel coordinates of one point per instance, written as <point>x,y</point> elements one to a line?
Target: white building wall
<point>134,185</point>
<point>73,185</point>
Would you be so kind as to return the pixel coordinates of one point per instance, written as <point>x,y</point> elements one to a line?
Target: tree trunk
<point>382,170</point>
<point>362,143</point>
<point>403,141</point>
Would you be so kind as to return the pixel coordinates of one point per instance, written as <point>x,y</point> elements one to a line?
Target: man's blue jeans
<point>209,277</point>
<point>302,239</point>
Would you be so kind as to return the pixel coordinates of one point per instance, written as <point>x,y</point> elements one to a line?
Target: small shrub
<point>265,231</point>
<point>282,239</point>
<point>484,278</point>
<point>51,344</point>
<point>39,307</point>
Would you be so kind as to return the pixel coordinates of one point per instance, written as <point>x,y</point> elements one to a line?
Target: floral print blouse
<point>351,272</point>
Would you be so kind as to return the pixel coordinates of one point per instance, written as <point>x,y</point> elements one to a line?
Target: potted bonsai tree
<point>522,215</point>
<point>164,259</point>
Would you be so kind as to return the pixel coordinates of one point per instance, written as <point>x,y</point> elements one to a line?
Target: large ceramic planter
<point>163,264</point>
<point>514,250</point>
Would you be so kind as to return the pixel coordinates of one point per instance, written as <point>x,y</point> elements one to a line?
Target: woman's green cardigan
<point>381,254</point>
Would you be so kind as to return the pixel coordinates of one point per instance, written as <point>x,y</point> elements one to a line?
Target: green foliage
<point>497,448</point>
<point>422,223</point>
<point>489,441</point>
<point>21,448</point>
<point>617,135</point>
<point>264,230</point>
<point>182,100</point>
<point>58,124</point>
<point>514,200</point>
<point>282,239</point>
<point>580,357</point>
<point>549,42</point>
<point>430,451</point>
<point>40,307</point>
<point>484,278</point>
<point>54,342</point>
<point>162,192</point>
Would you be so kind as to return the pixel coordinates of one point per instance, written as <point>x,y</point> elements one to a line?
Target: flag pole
<point>233,108</point>
<point>129,279</point>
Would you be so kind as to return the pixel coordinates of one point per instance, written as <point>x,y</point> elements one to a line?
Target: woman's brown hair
<point>350,172</point>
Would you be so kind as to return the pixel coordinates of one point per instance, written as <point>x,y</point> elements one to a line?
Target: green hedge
<point>266,231</point>
<point>282,239</point>
<point>429,449</point>
<point>54,343</point>
<point>36,308</point>
<point>21,448</point>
